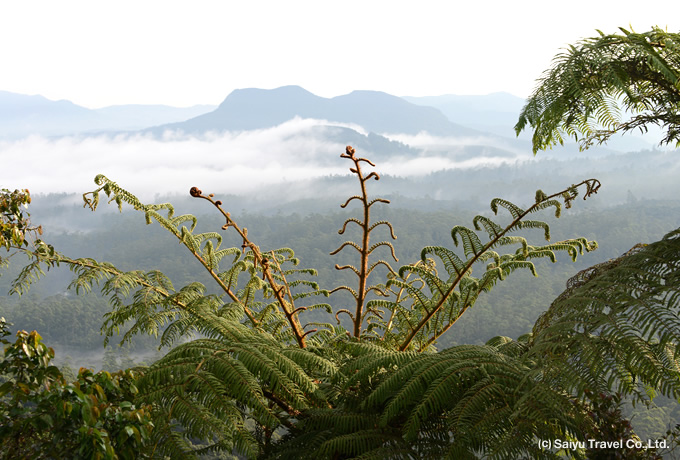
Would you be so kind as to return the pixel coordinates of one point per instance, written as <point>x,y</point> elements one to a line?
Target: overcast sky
<point>184,53</point>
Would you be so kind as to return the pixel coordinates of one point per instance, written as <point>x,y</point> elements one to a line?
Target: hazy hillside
<point>283,138</point>
<point>496,112</point>
<point>22,115</point>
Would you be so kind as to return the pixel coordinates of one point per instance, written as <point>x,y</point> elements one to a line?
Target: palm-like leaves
<point>221,386</point>
<point>427,305</point>
<point>589,86</point>
<point>618,324</point>
<point>460,403</point>
<point>615,328</point>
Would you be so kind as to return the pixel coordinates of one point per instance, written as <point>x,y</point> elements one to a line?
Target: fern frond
<point>622,317</point>
<point>590,85</point>
<point>548,204</point>
<point>452,262</point>
<point>346,288</point>
<point>445,304</point>
<point>536,224</point>
<point>384,222</point>
<point>347,221</point>
<point>347,243</point>
<point>492,228</point>
<point>383,243</point>
<point>179,220</point>
<point>380,262</point>
<point>515,211</point>
<point>469,239</point>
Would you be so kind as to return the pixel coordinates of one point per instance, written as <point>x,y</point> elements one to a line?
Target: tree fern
<point>216,386</point>
<point>266,271</point>
<point>246,375</point>
<point>617,326</point>
<point>591,85</point>
<point>460,403</point>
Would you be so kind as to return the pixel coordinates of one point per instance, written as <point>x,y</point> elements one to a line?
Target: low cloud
<point>229,162</point>
<point>405,167</point>
<point>434,145</point>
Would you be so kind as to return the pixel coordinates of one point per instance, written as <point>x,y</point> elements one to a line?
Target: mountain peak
<point>272,96</point>
<point>254,108</point>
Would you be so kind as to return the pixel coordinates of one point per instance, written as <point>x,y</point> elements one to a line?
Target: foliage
<point>510,309</point>
<point>591,84</point>
<point>14,223</point>
<point>617,325</point>
<point>247,375</point>
<point>256,374</point>
<point>43,416</point>
<point>426,319</point>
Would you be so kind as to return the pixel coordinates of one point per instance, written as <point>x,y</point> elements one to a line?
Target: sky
<point>184,53</point>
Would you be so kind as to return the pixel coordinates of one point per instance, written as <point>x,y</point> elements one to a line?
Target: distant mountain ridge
<point>24,115</point>
<point>378,112</point>
<point>496,112</point>
<point>474,120</point>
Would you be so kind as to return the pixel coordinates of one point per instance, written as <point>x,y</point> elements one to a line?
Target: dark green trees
<point>43,416</point>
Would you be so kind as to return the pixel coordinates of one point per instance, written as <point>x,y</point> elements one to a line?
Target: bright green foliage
<point>249,378</point>
<point>616,328</point>
<point>219,387</point>
<point>458,403</point>
<point>592,86</point>
<point>43,416</point>
<point>259,382</point>
<point>147,302</point>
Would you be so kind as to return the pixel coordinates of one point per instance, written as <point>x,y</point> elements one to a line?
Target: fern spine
<point>365,249</point>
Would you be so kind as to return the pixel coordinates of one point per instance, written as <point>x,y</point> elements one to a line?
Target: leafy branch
<point>206,249</point>
<point>439,312</point>
<point>590,85</point>
<point>270,266</point>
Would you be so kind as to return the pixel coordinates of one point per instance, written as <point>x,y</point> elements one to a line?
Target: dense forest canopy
<point>253,370</point>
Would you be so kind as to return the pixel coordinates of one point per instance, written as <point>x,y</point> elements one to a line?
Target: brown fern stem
<point>364,250</point>
<point>226,289</point>
<point>438,334</point>
<point>287,307</point>
<point>365,240</point>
